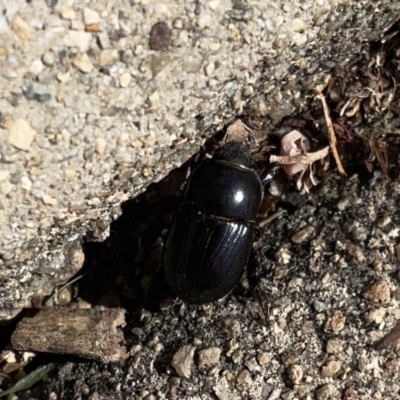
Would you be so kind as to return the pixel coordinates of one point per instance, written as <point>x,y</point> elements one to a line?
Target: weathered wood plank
<point>89,333</point>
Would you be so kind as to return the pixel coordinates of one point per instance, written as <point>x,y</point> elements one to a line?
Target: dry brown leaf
<point>237,132</point>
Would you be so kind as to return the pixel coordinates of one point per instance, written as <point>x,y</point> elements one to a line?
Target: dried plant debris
<point>29,380</point>
<point>364,106</point>
<point>237,132</point>
<point>90,333</point>
<point>295,158</point>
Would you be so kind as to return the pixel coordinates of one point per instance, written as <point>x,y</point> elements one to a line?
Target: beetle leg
<point>272,171</point>
<point>254,281</point>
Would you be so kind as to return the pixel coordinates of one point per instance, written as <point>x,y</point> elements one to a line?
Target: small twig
<point>56,291</point>
<point>331,131</point>
<point>306,158</point>
<point>272,217</point>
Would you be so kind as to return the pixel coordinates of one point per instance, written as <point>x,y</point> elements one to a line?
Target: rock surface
<point>93,131</point>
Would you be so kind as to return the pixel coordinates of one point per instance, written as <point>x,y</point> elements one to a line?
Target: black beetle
<point>211,237</point>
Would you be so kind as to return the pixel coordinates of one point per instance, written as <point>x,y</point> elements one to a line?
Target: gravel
<point>326,317</point>
<point>95,99</point>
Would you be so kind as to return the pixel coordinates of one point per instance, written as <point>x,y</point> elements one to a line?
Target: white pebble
<point>6,188</point>
<point>21,135</point>
<point>26,183</point>
<point>125,79</point>
<point>48,200</point>
<point>183,360</point>
<point>100,145</point>
<point>68,14</point>
<point>4,175</point>
<point>77,39</point>
<point>298,25</point>
<point>209,69</point>
<point>204,20</point>
<point>83,63</point>
<point>37,67</point>
<point>48,58</point>
<point>90,16</point>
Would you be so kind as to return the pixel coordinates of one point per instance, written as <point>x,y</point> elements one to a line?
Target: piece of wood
<point>331,130</point>
<point>90,333</point>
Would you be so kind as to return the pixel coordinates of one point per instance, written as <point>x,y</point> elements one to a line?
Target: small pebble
<point>244,377</point>
<point>6,188</point>
<point>335,258</point>
<point>298,25</point>
<point>83,63</point>
<point>289,359</point>
<point>177,23</point>
<point>204,20</point>
<point>183,360</point>
<point>48,58</point>
<point>48,200</point>
<point>327,391</point>
<point>36,91</point>
<point>356,252</point>
<point>384,221</point>
<point>378,292</point>
<point>104,40</point>
<point>331,368</point>
<point>36,67</point>
<point>336,322</point>
<point>375,315</point>
<point>63,77</point>
<point>263,359</point>
<point>90,16</point>
<point>124,79</point>
<point>160,36</point>
<point>127,56</point>
<point>252,364</point>
<point>26,183</point>
<point>68,14</point>
<point>21,135</point>
<point>209,356</point>
<point>283,256</point>
<point>295,372</point>
<point>146,171</point>
<point>69,174</point>
<point>303,235</point>
<point>78,39</point>
<point>64,296</point>
<point>107,57</point>
<point>20,28</point>
<point>100,145</point>
<point>209,68</point>
<point>334,346</point>
<point>275,394</point>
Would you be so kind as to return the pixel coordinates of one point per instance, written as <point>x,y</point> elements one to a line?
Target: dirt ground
<point>329,273</point>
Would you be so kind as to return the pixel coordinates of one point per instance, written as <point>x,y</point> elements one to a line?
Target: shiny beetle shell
<point>211,237</point>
